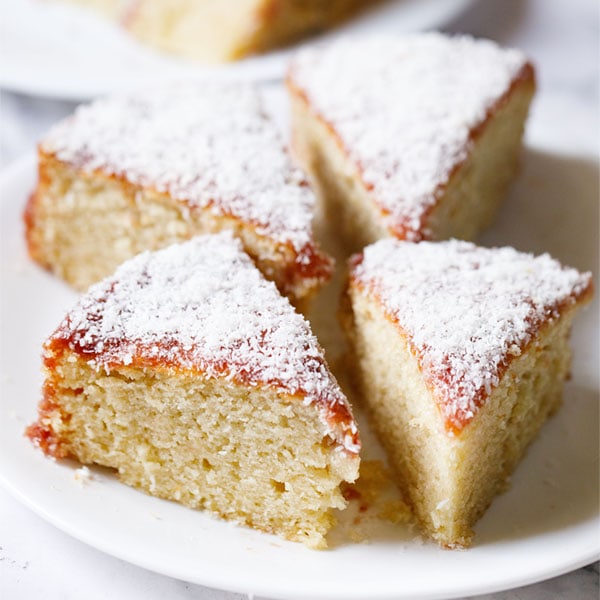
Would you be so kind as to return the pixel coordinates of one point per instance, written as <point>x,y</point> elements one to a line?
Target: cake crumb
<point>83,476</point>
<point>373,499</point>
<point>395,511</point>
<point>357,536</point>
<point>374,477</point>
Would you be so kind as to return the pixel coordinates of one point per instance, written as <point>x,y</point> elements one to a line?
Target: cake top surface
<point>202,306</point>
<point>404,109</point>
<point>208,145</point>
<point>466,310</point>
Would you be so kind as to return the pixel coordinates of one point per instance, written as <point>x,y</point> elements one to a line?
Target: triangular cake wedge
<point>143,170</point>
<point>415,137</point>
<point>189,374</point>
<point>461,354</point>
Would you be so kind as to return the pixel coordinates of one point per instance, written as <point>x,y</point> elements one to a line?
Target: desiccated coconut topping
<point>203,306</point>
<point>207,145</point>
<point>466,310</point>
<point>404,109</point>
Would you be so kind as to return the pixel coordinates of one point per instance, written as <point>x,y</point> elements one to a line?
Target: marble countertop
<point>38,560</point>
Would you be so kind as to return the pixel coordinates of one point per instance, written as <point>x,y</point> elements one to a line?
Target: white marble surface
<point>37,560</point>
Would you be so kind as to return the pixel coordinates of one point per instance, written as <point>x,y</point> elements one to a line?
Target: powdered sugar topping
<point>466,310</point>
<point>404,108</point>
<point>206,144</point>
<point>203,306</point>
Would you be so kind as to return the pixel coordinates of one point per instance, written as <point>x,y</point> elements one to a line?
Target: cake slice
<point>461,354</point>
<point>189,374</point>
<point>415,137</point>
<point>209,31</point>
<point>212,31</point>
<point>143,170</point>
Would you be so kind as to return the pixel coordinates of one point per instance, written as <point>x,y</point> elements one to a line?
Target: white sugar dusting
<point>204,306</point>
<point>404,107</point>
<point>208,145</point>
<point>466,309</point>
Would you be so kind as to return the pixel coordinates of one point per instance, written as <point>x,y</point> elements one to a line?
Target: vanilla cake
<point>143,170</point>
<point>461,353</point>
<point>415,137</point>
<point>190,374</point>
<point>212,31</point>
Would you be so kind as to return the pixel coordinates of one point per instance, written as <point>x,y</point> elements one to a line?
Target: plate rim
<point>222,583</point>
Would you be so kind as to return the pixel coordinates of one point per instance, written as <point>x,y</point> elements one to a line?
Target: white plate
<point>57,50</point>
<point>547,524</point>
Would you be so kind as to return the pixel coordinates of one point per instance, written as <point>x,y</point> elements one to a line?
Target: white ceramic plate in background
<point>58,50</point>
<point>545,525</point>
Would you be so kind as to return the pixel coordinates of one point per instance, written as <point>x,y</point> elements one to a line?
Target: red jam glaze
<point>41,432</point>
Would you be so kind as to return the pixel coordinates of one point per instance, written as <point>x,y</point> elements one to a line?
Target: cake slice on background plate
<point>415,137</point>
<point>461,353</point>
<point>143,170</point>
<point>212,31</point>
<point>190,374</point>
